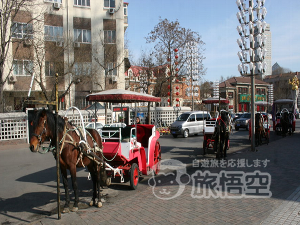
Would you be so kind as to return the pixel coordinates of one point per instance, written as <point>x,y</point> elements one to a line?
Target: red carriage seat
<point>144,131</point>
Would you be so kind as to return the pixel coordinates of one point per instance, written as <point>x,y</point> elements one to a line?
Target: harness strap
<point>63,140</point>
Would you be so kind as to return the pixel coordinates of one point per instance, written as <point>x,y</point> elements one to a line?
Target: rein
<point>39,137</point>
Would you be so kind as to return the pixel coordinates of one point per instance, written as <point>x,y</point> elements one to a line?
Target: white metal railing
<point>14,128</point>
<point>15,125</point>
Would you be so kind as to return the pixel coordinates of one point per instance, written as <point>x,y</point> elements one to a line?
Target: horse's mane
<point>51,119</point>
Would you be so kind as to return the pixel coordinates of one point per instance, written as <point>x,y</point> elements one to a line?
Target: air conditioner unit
<point>27,42</point>
<point>111,10</point>
<point>56,5</point>
<point>76,44</point>
<point>8,108</point>
<point>59,43</point>
<point>12,79</point>
<point>114,78</point>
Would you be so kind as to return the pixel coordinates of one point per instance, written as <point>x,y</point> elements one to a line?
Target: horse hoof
<point>74,209</point>
<point>99,204</point>
<point>66,210</point>
<point>92,202</point>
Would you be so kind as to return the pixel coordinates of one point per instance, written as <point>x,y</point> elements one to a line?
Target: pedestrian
<point>138,121</point>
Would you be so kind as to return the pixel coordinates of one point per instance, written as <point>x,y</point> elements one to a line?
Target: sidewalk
<point>281,160</point>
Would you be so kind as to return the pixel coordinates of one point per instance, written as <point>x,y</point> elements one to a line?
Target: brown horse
<point>221,135</point>
<point>72,154</point>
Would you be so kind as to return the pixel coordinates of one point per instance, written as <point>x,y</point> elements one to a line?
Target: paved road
<point>28,187</point>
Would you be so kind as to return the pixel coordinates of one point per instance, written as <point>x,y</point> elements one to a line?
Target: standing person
<point>147,120</point>
<point>138,120</point>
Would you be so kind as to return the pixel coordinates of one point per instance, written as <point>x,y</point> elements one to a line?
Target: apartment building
<point>81,40</point>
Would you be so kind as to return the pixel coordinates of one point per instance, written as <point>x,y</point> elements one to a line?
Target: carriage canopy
<point>121,96</point>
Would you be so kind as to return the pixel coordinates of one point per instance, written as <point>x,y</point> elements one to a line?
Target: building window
<point>260,91</point>
<point>83,69</point>
<point>111,69</point>
<point>22,30</point>
<point>82,2</point>
<point>53,33</point>
<point>22,67</point>
<point>109,3</point>
<point>83,36</point>
<point>49,68</point>
<point>125,14</point>
<point>243,90</point>
<point>109,36</point>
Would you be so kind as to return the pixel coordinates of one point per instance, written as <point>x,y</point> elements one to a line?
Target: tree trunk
<point>1,89</point>
<point>1,98</point>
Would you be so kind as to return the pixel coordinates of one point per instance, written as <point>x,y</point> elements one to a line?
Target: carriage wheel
<point>134,176</point>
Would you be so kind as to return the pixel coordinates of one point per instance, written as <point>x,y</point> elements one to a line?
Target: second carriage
<point>284,119</point>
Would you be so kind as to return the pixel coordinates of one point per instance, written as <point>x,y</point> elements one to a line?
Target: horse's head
<point>41,129</point>
<point>225,116</point>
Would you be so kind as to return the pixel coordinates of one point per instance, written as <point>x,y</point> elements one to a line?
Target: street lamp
<point>255,48</point>
<point>193,78</point>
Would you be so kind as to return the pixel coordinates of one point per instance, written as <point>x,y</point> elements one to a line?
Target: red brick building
<point>238,91</point>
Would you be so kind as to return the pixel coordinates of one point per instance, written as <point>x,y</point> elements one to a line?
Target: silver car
<point>189,123</point>
<point>243,121</point>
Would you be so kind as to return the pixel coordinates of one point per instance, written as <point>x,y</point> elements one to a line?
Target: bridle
<point>39,137</point>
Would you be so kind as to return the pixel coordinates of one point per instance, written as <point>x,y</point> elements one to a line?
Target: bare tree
<point>171,40</point>
<point>206,89</point>
<point>281,70</point>
<point>107,56</point>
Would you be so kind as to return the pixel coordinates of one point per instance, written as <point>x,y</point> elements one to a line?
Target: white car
<point>122,125</point>
<point>92,125</point>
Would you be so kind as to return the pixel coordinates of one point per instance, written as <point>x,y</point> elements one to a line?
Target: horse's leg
<point>94,180</point>
<point>65,182</point>
<point>75,188</point>
<point>226,146</point>
<point>98,170</point>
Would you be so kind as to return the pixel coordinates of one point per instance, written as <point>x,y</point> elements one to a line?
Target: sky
<point>216,22</point>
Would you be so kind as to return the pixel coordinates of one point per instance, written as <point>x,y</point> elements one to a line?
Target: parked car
<point>243,121</point>
<point>92,125</point>
<point>189,123</point>
<point>122,125</point>
<point>232,116</point>
<point>237,116</point>
<point>99,126</point>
